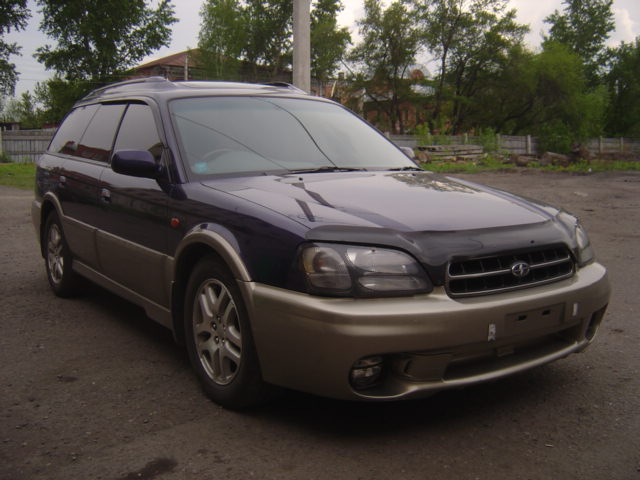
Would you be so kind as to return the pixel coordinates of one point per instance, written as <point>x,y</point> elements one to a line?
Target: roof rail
<point>94,93</point>
<point>283,85</point>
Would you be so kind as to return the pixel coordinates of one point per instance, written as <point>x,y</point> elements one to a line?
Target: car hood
<point>400,201</point>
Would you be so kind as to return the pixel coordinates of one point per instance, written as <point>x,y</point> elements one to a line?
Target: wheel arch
<point>196,245</point>
<point>50,203</point>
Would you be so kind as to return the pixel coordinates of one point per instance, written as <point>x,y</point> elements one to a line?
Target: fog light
<point>366,372</point>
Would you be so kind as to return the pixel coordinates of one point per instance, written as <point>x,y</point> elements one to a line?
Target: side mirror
<point>135,163</point>
<point>408,151</point>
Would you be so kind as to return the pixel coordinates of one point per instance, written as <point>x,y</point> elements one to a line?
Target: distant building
<point>177,67</point>
<point>185,65</point>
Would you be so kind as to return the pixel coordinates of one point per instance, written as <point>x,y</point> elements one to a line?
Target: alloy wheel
<point>55,256</point>
<point>217,332</point>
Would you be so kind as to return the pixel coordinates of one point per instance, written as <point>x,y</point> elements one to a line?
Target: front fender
<point>204,239</point>
<point>218,239</point>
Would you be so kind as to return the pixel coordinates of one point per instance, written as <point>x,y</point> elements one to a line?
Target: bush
<point>425,137</point>
<point>555,137</point>
<point>488,138</point>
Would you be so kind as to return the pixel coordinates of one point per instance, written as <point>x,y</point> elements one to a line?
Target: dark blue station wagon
<point>287,243</point>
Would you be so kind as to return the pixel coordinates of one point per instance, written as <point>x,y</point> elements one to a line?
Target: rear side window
<point>68,136</point>
<point>138,131</point>
<point>98,138</point>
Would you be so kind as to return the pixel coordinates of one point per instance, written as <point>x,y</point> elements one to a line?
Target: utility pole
<point>302,44</point>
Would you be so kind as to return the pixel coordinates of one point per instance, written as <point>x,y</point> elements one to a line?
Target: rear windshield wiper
<point>327,168</point>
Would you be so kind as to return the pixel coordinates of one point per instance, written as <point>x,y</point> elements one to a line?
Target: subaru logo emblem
<point>520,269</point>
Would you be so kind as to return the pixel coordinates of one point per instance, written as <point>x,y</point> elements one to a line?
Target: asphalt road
<point>92,389</point>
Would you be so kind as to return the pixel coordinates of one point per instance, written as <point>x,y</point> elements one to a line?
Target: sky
<point>185,31</point>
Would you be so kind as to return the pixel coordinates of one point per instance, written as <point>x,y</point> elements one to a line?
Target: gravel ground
<point>92,389</point>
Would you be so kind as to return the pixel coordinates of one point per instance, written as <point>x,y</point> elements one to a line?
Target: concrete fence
<point>526,144</point>
<point>25,146</point>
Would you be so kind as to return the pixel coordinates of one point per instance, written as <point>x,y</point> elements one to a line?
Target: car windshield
<point>222,135</point>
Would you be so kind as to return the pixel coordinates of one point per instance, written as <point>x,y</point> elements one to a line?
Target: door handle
<point>63,181</point>
<point>105,195</point>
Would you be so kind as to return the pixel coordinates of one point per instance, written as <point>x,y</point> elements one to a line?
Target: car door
<point>132,239</point>
<point>86,144</point>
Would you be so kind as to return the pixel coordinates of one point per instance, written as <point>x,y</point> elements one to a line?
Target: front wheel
<point>62,279</point>
<point>218,338</point>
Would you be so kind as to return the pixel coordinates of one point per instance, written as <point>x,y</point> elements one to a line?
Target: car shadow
<point>482,404</point>
<point>129,316</point>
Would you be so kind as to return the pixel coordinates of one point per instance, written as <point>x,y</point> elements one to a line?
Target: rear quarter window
<point>67,138</point>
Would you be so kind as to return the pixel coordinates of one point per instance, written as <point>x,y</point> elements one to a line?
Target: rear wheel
<point>218,338</point>
<point>63,280</point>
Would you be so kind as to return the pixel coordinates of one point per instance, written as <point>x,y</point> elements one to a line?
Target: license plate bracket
<point>536,319</point>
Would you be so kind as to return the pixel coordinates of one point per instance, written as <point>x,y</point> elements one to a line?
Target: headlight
<point>586,254</point>
<point>346,270</point>
<point>584,251</point>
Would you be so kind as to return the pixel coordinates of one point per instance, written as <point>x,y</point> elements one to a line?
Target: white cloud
<point>626,27</point>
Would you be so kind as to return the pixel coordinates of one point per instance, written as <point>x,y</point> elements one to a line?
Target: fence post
<point>528,144</point>
<point>0,141</point>
<point>621,144</point>
<point>466,138</point>
<point>498,142</point>
<point>600,145</point>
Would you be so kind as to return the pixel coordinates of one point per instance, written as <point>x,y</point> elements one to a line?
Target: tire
<point>62,279</point>
<point>219,340</point>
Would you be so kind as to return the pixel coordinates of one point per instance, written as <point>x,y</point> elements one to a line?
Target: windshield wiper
<point>405,169</point>
<point>327,168</point>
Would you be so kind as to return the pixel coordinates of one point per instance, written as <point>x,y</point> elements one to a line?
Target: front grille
<point>483,276</point>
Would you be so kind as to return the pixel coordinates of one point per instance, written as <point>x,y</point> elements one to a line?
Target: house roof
<point>175,60</point>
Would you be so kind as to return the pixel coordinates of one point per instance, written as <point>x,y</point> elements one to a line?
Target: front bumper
<point>428,342</point>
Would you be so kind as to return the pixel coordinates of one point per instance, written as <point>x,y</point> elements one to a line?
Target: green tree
<point>328,41</point>
<point>252,39</point>
<point>9,110</point>
<point>623,116</point>
<point>222,38</point>
<point>101,39</point>
<point>249,39</point>
<point>508,98</point>
<point>469,39</point>
<point>384,57</point>
<point>23,110</point>
<point>56,97</point>
<point>269,35</point>
<point>13,15</point>
<point>584,26</point>
<point>544,94</point>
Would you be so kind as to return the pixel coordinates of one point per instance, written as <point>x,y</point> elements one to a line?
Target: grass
<point>19,175</point>
<point>22,175</point>
<point>493,164</point>
<point>486,164</point>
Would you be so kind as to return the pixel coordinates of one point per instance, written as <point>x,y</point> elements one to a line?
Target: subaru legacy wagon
<point>287,243</point>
